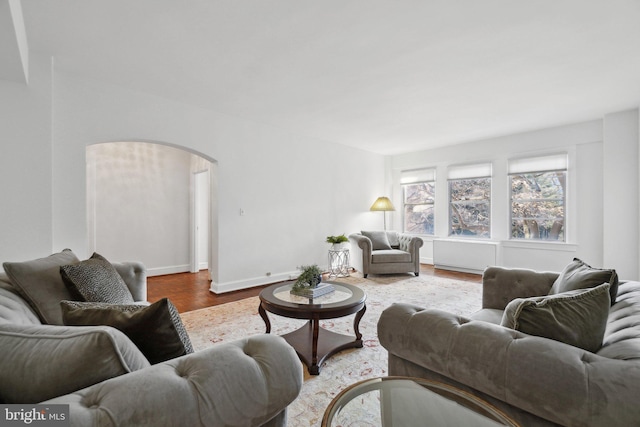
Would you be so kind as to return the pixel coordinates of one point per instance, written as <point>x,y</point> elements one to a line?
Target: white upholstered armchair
<point>385,252</point>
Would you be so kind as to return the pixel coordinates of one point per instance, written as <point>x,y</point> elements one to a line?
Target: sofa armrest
<point>502,285</point>
<point>550,379</point>
<point>363,242</point>
<point>246,382</point>
<point>134,275</point>
<point>411,244</point>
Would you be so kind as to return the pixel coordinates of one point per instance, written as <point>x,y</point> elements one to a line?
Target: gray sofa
<point>386,252</point>
<point>535,380</point>
<point>106,380</point>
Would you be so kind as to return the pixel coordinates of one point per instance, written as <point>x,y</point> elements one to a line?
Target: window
<point>470,200</point>
<point>538,191</point>
<point>419,189</point>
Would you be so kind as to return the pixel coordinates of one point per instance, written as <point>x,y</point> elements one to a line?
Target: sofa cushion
<point>577,318</point>
<point>379,239</point>
<point>391,255</point>
<point>40,284</point>
<point>580,275</point>
<point>96,280</point>
<point>40,362</point>
<point>156,329</point>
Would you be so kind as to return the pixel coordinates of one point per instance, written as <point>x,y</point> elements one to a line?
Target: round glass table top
<point>340,294</point>
<point>402,401</point>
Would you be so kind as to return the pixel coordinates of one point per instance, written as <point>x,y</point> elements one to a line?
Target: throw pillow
<point>577,318</point>
<point>40,284</point>
<point>156,329</point>
<point>580,275</point>
<point>40,362</point>
<point>96,280</point>
<point>379,239</point>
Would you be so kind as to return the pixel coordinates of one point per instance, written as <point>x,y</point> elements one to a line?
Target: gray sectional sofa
<point>107,381</point>
<point>536,380</point>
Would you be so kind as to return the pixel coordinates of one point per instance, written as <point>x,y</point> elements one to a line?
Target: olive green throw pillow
<point>39,282</point>
<point>577,318</point>
<point>580,275</point>
<point>155,329</point>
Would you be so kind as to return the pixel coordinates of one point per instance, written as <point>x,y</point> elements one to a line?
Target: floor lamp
<point>383,204</point>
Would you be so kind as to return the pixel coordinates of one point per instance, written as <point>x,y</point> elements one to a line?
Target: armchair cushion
<point>392,255</point>
<point>580,275</point>
<point>155,329</point>
<point>379,239</point>
<point>578,318</point>
<point>96,280</point>
<point>40,362</point>
<point>41,285</point>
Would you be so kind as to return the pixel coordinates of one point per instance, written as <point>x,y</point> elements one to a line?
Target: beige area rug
<point>239,319</point>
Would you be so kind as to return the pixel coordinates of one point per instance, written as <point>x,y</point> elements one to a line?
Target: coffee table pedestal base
<point>327,344</point>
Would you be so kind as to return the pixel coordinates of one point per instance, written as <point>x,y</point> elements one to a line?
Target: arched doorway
<point>143,203</point>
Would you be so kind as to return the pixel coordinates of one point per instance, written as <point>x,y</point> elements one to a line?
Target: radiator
<point>461,255</point>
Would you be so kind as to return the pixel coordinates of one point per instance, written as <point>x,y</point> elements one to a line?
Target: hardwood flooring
<point>190,291</point>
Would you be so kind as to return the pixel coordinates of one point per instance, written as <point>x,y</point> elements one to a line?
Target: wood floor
<point>190,291</point>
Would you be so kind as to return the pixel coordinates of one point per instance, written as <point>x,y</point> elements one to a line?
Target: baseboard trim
<point>161,271</point>
<point>460,269</point>
<point>220,288</point>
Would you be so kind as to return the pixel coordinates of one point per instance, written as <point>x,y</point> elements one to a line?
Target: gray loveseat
<point>537,381</point>
<point>106,380</point>
<point>386,252</point>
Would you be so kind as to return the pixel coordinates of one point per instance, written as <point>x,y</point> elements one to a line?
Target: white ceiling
<point>385,76</point>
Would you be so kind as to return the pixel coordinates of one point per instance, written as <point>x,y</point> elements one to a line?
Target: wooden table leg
<point>263,314</point>
<point>356,326</point>
<point>314,369</point>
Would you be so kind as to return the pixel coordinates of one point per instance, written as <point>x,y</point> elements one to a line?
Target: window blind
<point>555,162</point>
<point>478,170</point>
<point>417,175</point>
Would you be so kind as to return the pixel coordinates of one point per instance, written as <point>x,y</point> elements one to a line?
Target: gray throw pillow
<point>379,239</point>
<point>580,275</point>
<point>96,280</point>
<point>155,329</point>
<point>577,318</point>
<point>40,362</point>
<point>40,284</point>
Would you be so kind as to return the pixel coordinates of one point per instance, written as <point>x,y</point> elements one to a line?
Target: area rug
<point>239,319</point>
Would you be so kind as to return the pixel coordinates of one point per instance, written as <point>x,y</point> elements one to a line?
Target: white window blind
<point>556,162</point>
<point>417,175</point>
<point>479,170</point>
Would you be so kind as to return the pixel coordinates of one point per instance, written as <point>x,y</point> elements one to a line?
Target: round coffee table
<point>312,342</point>
<point>404,401</point>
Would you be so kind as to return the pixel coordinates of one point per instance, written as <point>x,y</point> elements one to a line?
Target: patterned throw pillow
<point>156,329</point>
<point>96,280</point>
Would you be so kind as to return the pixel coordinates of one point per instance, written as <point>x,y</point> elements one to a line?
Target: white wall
<point>25,165</point>
<point>620,171</point>
<point>294,190</point>
<point>594,195</point>
<point>139,204</point>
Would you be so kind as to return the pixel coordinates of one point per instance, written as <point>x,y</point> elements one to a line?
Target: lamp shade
<point>382,204</point>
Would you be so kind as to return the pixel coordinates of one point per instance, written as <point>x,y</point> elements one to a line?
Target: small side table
<point>339,263</point>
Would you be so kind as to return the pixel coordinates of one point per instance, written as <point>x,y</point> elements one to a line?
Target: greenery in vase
<point>337,239</point>
<point>310,276</point>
